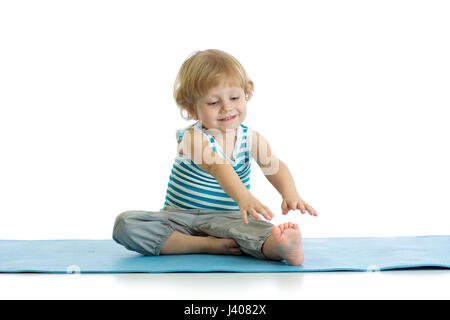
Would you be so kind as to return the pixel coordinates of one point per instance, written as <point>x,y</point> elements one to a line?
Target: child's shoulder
<point>186,138</point>
<point>258,143</point>
<point>180,133</point>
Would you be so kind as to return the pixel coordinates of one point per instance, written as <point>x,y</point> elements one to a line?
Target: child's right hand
<point>251,205</point>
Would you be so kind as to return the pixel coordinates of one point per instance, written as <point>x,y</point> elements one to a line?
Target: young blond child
<point>208,206</point>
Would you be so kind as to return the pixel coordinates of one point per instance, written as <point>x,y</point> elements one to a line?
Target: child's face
<point>223,107</point>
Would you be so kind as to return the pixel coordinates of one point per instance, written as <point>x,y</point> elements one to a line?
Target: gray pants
<point>146,231</point>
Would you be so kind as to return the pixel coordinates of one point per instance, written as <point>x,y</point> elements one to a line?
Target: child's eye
<point>215,102</point>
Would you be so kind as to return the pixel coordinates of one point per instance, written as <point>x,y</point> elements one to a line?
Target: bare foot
<point>288,243</point>
<point>221,246</point>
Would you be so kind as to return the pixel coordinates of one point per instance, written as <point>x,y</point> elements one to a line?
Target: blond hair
<point>203,70</point>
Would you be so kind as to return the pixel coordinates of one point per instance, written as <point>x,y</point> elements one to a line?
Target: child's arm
<point>279,176</point>
<point>196,146</point>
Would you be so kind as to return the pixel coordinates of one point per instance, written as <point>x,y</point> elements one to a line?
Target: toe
<point>276,232</point>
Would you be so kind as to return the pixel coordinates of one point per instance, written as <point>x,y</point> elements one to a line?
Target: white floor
<point>403,284</point>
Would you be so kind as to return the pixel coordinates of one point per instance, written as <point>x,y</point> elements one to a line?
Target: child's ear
<point>192,112</point>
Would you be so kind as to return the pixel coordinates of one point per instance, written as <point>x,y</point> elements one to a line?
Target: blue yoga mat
<point>321,254</point>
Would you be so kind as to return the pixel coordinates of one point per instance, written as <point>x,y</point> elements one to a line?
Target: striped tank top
<point>190,187</point>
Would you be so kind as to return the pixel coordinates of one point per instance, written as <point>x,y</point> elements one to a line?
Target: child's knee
<point>121,226</point>
<point>142,231</point>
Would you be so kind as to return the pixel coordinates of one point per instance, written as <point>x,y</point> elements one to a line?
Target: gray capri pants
<point>146,231</point>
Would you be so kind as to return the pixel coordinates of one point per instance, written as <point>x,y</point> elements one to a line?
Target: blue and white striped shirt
<point>190,187</point>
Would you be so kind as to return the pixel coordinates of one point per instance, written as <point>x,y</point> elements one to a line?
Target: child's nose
<point>226,106</point>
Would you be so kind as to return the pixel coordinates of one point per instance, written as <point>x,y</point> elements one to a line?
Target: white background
<point>352,95</point>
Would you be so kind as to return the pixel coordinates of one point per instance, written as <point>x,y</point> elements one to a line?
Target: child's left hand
<point>294,202</point>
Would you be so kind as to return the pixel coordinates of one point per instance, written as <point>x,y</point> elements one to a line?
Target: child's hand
<point>251,205</point>
<point>294,202</point>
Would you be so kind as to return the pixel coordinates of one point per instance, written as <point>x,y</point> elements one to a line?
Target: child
<point>208,192</point>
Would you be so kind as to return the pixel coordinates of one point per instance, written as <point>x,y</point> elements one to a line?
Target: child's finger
<point>244,216</point>
<point>269,211</point>
<point>301,206</point>
<point>254,214</point>
<point>262,210</point>
<point>311,210</point>
<point>292,205</point>
<point>284,207</point>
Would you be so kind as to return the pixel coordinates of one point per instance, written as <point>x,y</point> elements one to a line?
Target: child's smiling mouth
<point>228,118</point>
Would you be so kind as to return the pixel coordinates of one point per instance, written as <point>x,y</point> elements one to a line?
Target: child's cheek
<point>243,113</point>
<point>208,117</point>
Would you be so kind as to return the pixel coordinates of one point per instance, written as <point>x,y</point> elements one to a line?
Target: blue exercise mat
<point>321,254</point>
